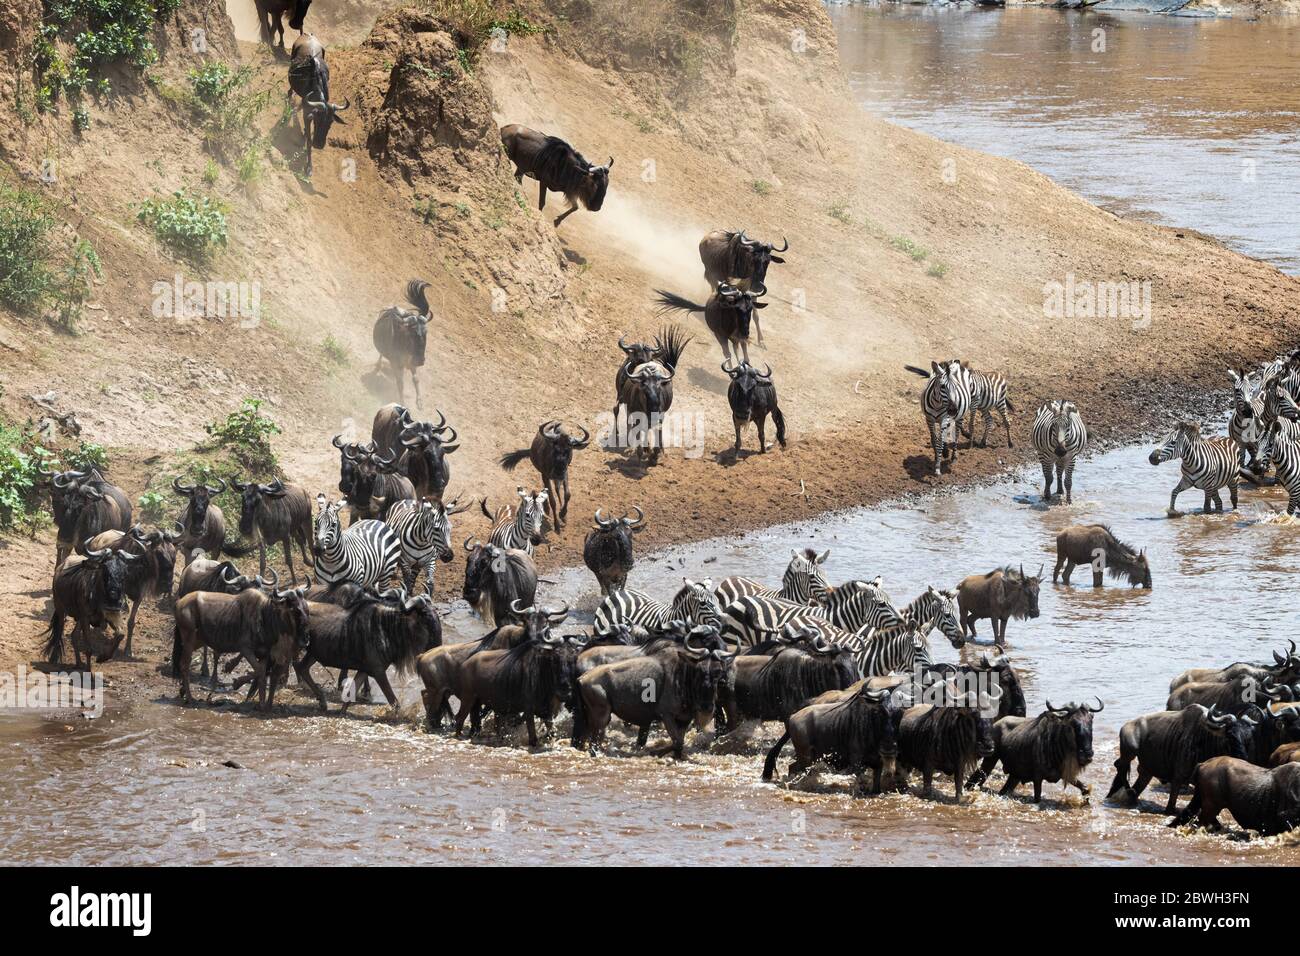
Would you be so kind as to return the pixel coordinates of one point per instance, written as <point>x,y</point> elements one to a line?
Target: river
<point>147,781</point>
<point>1186,121</point>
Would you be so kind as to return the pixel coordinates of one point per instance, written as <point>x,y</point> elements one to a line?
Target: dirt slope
<point>715,118</point>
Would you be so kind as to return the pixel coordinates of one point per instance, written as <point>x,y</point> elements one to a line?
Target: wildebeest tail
<point>509,460</point>
<point>53,649</point>
<point>769,765</point>
<point>780,424</point>
<point>674,340</point>
<point>924,373</point>
<point>483,505</point>
<point>667,301</point>
<point>176,650</point>
<point>416,296</point>
<point>235,551</point>
<point>579,734</point>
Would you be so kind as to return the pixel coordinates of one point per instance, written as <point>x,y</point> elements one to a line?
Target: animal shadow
<point>706,380</point>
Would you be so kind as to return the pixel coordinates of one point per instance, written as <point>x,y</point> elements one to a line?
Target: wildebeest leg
<point>762,433</point>
<point>1183,485</point>
<point>979,776</point>
<point>261,553</point>
<point>956,785</point>
<point>1097,575</point>
<point>573,207</point>
<point>1175,788</point>
<point>287,544</point>
<point>758,329</point>
<point>204,671</point>
<point>737,423</point>
<point>303,669</point>
<point>381,678</point>
<point>532,730</point>
<point>130,625</point>
<point>1009,787</point>
<point>541,196</point>
<point>927,782</point>
<point>564,512</point>
<point>642,736</point>
<point>1062,561</point>
<point>677,731</point>
<point>1143,778</point>
<point>1038,791</point>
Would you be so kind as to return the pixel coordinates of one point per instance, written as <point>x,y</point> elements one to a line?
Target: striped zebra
<point>944,401</point>
<point>1208,464</point>
<point>753,618</point>
<point>1284,449</point>
<point>894,650</point>
<point>693,603</point>
<point>1059,435</point>
<point>1246,427</point>
<point>367,553</point>
<point>867,609</point>
<point>518,527</point>
<point>988,394</point>
<point>423,529</point>
<point>1278,406</point>
<point>804,582</point>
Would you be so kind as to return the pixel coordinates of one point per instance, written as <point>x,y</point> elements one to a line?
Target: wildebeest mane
<point>385,628</point>
<point>560,167</point>
<point>791,677</point>
<point>1122,559</point>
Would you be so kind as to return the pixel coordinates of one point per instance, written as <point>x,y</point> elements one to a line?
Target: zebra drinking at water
<point>518,527</point>
<point>423,529</point>
<point>367,553</point>
<point>944,401</point>
<point>693,603</point>
<point>988,394</point>
<point>1059,436</point>
<point>804,582</point>
<point>1208,464</point>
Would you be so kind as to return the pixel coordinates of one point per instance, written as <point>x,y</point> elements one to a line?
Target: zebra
<point>518,527</point>
<point>753,618</point>
<point>1278,406</point>
<point>1208,464</point>
<point>893,650</point>
<point>1059,435</point>
<point>988,394</point>
<point>851,603</point>
<point>804,582</point>
<point>367,553</point>
<point>944,401</point>
<point>869,609</point>
<point>423,529</point>
<point>1247,423</point>
<point>694,603</point>
<point>1284,449</point>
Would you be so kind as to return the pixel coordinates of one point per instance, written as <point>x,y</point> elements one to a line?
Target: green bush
<point>20,456</point>
<point>227,109</point>
<point>335,351</point>
<point>153,506</point>
<point>86,455</point>
<point>188,225</point>
<point>31,277</point>
<point>247,434</point>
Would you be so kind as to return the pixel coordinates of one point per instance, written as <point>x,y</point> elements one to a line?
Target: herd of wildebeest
<point>846,669</point>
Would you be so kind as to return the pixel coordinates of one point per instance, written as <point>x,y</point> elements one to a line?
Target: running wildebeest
<point>386,430</point>
<point>778,677</point>
<point>607,551</point>
<point>551,453</point>
<point>281,514</point>
<point>950,738</point>
<point>1055,746</point>
<point>752,397</point>
<point>425,457</point>
<point>495,578</point>
<point>377,486</point>
<point>556,166</point>
<point>666,351</point>
<point>1231,697</point>
<point>90,588</point>
<point>1266,800</point>
<point>728,314</point>
<point>309,78</point>
<point>734,258</point>
<point>647,396</point>
<point>202,525</point>
<point>1169,744</point>
<point>439,668</point>
<point>401,338</point>
<point>999,595</point>
<point>270,18</point>
<point>1096,545</point>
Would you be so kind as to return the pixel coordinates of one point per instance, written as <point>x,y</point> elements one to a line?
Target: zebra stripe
<point>367,553</point>
<point>423,530</point>
<point>754,618</point>
<point>1207,464</point>
<point>944,402</point>
<point>878,653</point>
<point>1247,424</point>
<point>693,603</point>
<point>988,394</point>
<point>803,583</point>
<point>1059,436</point>
<point>1284,449</point>
<point>518,527</point>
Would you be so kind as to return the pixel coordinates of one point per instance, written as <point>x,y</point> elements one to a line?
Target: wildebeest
<point>533,680</point>
<point>90,588</point>
<point>386,429</point>
<point>1096,545</point>
<point>87,505</point>
<point>1054,746</point>
<point>439,668</point>
<point>999,596</point>
<point>728,314</point>
<point>852,732</point>
<point>686,678</point>
<point>950,738</point>
<point>495,578</point>
<point>369,637</point>
<point>556,166</point>
<point>1232,697</point>
<point>1000,674</point>
<point>647,397</point>
<point>1284,670</point>
<point>377,485</point>
<point>208,574</point>
<point>1169,744</point>
<point>1266,800</point>
<point>151,575</point>
<point>309,77</point>
<point>666,351</point>
<point>1286,753</point>
<point>267,628</point>
<point>424,458</point>
<point>616,645</point>
<point>607,551</point>
<point>348,452</point>
<point>752,397</point>
<point>734,258</point>
<point>777,677</point>
<point>202,525</point>
<point>279,513</point>
<point>270,18</point>
<point>401,338</point>
<point>551,453</point>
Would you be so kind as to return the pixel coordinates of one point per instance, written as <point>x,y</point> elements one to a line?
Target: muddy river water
<point>147,781</point>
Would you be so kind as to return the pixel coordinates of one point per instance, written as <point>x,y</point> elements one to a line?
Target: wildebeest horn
<point>447,445</point>
<point>337,441</point>
<point>92,492</point>
<point>1279,658</point>
<point>63,479</point>
<point>238,485</point>
<point>1098,709</point>
<point>181,489</point>
<point>442,422</point>
<point>785,245</point>
<point>602,523</point>
<point>317,104</point>
<point>622,346</point>
<point>582,442</point>
<point>768,373</point>
<point>1022,570</point>
<point>549,429</point>
<point>732,372</point>
<point>514,606</point>
<point>471,543</point>
<point>610,164</point>
<point>558,615</point>
<point>639,520</point>
<point>225,576</point>
<point>347,104</point>
<point>216,491</point>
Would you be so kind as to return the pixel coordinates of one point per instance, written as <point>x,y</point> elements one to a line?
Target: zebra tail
<point>780,424</point>
<point>1010,407</point>
<point>924,373</point>
<point>769,765</point>
<point>508,461</point>
<point>667,301</point>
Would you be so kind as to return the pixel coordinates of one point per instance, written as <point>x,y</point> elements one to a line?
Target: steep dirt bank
<point>902,248</point>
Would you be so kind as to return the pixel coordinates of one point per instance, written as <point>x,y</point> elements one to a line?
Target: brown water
<point>1186,121</point>
<point>145,782</point>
